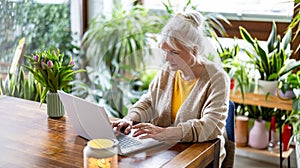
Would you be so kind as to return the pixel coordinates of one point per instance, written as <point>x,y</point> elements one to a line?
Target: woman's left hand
<point>147,130</point>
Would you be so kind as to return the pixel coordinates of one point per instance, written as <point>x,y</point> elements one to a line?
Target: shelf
<point>260,100</point>
<point>285,154</point>
<point>272,102</point>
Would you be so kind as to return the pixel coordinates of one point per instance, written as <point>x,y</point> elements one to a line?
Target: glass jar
<point>101,153</point>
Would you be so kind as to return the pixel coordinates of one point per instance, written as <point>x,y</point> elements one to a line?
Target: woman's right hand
<point>123,126</point>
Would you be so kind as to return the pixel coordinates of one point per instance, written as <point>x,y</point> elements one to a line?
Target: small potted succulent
<point>53,73</point>
<point>289,86</point>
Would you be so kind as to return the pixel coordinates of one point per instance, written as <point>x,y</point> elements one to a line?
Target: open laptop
<point>91,121</point>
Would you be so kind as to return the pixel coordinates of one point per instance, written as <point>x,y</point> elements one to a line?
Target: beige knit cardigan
<point>202,115</point>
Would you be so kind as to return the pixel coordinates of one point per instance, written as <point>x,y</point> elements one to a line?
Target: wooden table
<point>28,138</point>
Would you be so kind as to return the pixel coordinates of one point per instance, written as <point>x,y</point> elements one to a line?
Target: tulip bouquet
<point>50,70</point>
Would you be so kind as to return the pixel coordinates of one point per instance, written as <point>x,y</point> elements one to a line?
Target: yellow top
<point>181,90</point>
<point>100,143</point>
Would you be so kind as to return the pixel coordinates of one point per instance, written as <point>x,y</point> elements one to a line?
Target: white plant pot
<point>265,87</point>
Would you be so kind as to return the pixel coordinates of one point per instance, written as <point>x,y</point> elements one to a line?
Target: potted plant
<point>294,119</point>
<point>21,85</point>
<point>238,69</point>
<point>53,73</point>
<point>227,55</point>
<point>118,44</point>
<point>272,62</point>
<point>141,83</point>
<point>289,85</point>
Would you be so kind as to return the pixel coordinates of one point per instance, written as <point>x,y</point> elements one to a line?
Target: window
<point>43,23</point>
<point>254,15</point>
<point>258,10</point>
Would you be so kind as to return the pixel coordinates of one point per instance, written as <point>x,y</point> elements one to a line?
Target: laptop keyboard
<point>127,142</point>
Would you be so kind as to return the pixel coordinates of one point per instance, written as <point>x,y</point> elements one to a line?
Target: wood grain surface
<point>28,138</point>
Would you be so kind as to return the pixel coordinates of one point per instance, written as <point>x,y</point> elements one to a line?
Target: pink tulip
<point>50,63</point>
<point>36,58</point>
<point>72,62</point>
<point>42,64</point>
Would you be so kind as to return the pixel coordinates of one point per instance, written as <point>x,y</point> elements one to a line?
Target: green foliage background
<point>43,26</point>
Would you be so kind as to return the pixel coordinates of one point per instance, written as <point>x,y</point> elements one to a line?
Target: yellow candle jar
<point>101,153</point>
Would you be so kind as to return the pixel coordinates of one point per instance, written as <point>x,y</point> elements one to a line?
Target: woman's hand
<point>147,130</point>
<point>123,125</point>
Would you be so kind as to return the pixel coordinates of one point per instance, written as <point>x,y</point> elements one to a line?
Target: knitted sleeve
<point>211,123</point>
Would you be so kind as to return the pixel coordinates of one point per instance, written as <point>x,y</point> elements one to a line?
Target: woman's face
<point>177,59</point>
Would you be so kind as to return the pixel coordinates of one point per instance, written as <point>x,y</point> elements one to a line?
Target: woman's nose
<point>167,56</point>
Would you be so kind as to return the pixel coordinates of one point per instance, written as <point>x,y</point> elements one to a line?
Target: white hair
<point>184,29</point>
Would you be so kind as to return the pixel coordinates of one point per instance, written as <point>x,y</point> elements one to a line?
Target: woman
<point>188,100</point>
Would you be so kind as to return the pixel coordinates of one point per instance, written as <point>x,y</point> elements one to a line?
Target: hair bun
<point>193,17</point>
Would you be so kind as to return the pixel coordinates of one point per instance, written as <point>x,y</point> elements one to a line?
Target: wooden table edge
<point>192,157</point>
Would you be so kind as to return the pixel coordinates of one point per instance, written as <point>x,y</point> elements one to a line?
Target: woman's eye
<point>174,52</point>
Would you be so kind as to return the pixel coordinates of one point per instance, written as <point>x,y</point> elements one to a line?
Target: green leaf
<point>273,76</point>
<point>265,64</point>
<point>80,70</point>
<point>246,36</point>
<point>272,37</point>
<point>40,79</point>
<point>65,72</point>
<point>287,38</point>
<point>29,69</point>
<point>44,95</point>
<point>289,66</point>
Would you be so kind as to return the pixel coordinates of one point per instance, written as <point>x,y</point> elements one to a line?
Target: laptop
<point>91,121</point>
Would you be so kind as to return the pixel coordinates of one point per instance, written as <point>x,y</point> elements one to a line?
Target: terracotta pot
<point>259,135</point>
<point>241,131</point>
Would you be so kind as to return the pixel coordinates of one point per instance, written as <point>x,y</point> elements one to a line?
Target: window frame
<point>259,29</point>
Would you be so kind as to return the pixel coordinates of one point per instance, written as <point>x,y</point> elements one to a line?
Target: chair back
<point>230,140</point>
<point>230,122</point>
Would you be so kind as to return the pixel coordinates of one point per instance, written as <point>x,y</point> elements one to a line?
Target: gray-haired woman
<point>188,100</point>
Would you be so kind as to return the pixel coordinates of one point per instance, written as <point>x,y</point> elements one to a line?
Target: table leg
<point>280,138</point>
<point>215,163</point>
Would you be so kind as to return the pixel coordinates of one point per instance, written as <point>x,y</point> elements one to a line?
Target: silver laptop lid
<point>88,119</point>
